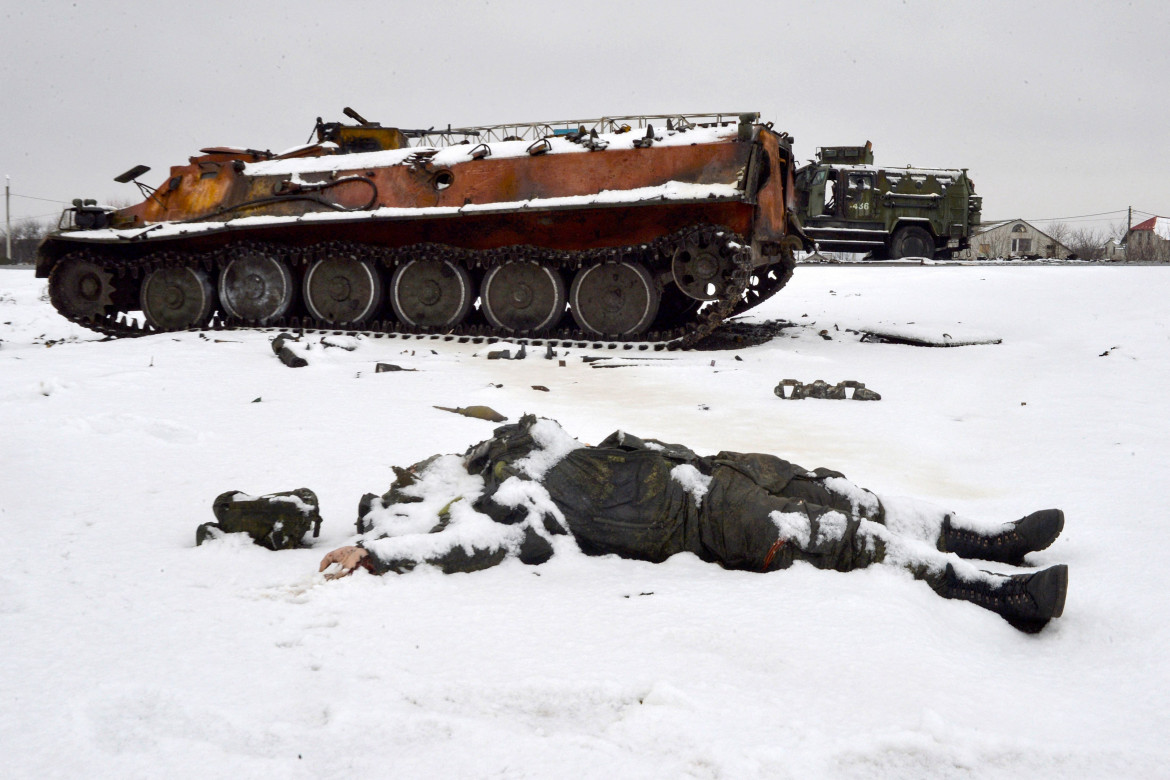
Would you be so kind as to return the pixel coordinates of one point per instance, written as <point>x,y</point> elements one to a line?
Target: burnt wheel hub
<point>431,293</point>
<point>177,298</point>
<point>523,296</point>
<point>614,299</point>
<point>256,286</point>
<point>343,290</point>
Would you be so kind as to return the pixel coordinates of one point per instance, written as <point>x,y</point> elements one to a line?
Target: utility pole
<point>7,221</point>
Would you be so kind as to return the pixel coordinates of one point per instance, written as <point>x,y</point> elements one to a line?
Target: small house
<point>1013,239</point>
<point>1149,241</point>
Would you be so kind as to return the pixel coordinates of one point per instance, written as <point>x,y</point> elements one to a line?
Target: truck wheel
<point>911,241</point>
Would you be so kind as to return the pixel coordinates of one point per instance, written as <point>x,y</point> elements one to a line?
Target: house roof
<point>986,227</point>
<point>1160,226</point>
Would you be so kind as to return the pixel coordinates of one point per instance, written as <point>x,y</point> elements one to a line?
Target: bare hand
<point>348,558</point>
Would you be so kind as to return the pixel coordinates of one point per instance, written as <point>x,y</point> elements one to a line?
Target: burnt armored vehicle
<point>647,229</point>
<point>847,204</point>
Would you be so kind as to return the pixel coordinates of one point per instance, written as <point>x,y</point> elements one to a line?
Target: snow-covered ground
<point>126,651</point>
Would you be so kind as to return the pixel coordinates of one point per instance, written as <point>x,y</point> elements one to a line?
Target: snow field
<point>128,652</point>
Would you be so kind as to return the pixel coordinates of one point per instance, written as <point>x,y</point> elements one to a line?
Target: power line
<point>33,197</point>
<point>39,216</point>
<point>1100,216</point>
<point>1078,216</point>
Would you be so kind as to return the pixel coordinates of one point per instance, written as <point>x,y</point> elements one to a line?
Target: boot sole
<point>1048,589</point>
<point>1042,541</point>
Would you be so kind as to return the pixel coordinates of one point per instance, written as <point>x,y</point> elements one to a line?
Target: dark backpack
<point>278,521</point>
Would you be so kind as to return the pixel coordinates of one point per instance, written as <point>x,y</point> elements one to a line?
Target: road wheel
<point>911,241</point>
<point>523,297</point>
<point>79,287</point>
<point>431,293</point>
<point>177,298</point>
<point>257,287</point>
<point>614,299</point>
<point>342,290</point>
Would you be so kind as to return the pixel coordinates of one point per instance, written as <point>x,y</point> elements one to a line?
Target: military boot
<point>1007,545</point>
<point>1027,601</point>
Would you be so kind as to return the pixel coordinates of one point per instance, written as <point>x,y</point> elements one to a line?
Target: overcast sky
<point>1058,109</point>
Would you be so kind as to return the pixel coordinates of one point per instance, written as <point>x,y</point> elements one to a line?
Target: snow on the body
<point>130,652</point>
<point>693,481</point>
<point>794,526</point>
<point>537,503</point>
<point>862,502</point>
<point>553,443</point>
<point>440,514</point>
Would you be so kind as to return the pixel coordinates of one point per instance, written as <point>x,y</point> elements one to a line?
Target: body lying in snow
<point>532,487</point>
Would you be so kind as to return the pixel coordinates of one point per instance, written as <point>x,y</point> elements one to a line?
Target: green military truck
<point>847,204</point>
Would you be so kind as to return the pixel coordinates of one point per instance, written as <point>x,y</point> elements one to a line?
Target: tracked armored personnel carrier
<point>648,229</point>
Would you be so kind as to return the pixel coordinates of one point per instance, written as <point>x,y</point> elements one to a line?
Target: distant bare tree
<point>26,234</point>
<point>992,246</point>
<point>1088,243</point>
<point>1060,231</point>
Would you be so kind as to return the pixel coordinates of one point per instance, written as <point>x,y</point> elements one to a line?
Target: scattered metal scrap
<point>822,389</point>
<point>618,361</point>
<point>506,354</point>
<point>280,345</point>
<point>943,340</point>
<point>478,412</point>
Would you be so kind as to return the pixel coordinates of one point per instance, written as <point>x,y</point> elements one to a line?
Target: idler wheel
<point>256,287</point>
<point>699,268</point>
<point>614,299</point>
<point>342,290</point>
<point>80,288</point>
<point>523,296</point>
<point>177,298</point>
<point>431,293</point>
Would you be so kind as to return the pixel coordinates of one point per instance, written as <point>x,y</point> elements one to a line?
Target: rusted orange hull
<point>629,234</point>
<point>541,200</point>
